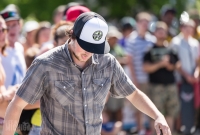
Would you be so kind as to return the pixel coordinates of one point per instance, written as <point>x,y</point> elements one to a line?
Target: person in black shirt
<point>160,62</point>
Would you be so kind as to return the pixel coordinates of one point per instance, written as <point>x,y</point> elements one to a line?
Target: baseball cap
<point>10,13</point>
<point>167,8</point>
<point>128,22</point>
<point>114,32</point>
<point>30,26</point>
<point>90,30</point>
<point>74,12</point>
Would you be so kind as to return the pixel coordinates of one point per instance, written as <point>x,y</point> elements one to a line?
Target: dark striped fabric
<point>72,101</point>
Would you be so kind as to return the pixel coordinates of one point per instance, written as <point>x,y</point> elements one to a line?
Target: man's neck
<point>186,37</point>
<point>159,42</point>
<point>141,34</point>
<point>29,43</point>
<point>12,44</point>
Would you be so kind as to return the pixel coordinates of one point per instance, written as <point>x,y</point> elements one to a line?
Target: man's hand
<point>190,79</point>
<point>165,61</point>
<point>9,94</point>
<point>161,124</point>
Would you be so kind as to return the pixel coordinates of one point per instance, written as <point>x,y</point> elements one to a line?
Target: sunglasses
<point>3,30</point>
<point>9,14</point>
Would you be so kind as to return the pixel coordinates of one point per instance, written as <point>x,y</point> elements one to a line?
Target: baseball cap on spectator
<point>10,12</point>
<point>71,4</point>
<point>74,12</point>
<point>190,22</point>
<point>114,32</point>
<point>90,30</point>
<point>167,8</point>
<point>30,26</point>
<point>185,20</point>
<point>127,22</point>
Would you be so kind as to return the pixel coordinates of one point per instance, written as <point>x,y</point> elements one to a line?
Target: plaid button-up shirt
<point>72,100</point>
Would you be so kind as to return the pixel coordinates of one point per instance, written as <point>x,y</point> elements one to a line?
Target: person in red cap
<point>73,12</point>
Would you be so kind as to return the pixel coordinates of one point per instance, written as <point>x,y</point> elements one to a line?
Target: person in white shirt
<point>14,62</point>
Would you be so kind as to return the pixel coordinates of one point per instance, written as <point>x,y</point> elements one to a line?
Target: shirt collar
<point>94,58</point>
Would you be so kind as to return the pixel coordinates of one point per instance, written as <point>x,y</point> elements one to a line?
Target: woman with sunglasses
<point>5,95</point>
<point>3,44</point>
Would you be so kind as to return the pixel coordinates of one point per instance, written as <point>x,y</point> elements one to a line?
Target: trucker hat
<point>90,30</point>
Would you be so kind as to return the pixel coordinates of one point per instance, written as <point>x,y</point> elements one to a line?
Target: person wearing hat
<point>30,28</point>
<point>168,15</point>
<point>15,71</point>
<point>161,61</point>
<point>72,81</point>
<point>137,44</point>
<point>127,25</point>
<point>114,106</point>
<point>187,49</point>
<point>14,63</point>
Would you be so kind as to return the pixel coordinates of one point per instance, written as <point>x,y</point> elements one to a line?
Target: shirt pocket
<point>65,92</point>
<point>101,89</point>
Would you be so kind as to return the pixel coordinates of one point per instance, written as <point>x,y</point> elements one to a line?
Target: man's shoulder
<point>19,47</point>
<point>176,40</point>
<point>194,42</point>
<point>105,58</point>
<point>51,54</point>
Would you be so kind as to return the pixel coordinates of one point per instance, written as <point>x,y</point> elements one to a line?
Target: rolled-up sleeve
<point>121,85</point>
<point>32,87</point>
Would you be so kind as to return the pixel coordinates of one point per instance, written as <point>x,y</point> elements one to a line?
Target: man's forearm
<point>150,68</point>
<point>11,119</point>
<point>144,104</point>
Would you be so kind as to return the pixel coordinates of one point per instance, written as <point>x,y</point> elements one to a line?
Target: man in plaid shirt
<point>72,81</point>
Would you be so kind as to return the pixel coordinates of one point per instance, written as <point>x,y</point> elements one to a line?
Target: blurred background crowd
<point>158,50</point>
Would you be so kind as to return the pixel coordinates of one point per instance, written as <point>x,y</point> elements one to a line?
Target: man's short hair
<point>59,9</point>
<point>143,16</point>
<point>161,25</point>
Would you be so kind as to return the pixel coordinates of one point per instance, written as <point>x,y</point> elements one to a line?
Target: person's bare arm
<point>33,106</point>
<point>151,67</point>
<point>12,116</point>
<point>145,105</point>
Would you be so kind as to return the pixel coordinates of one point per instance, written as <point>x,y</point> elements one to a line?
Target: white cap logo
<point>97,35</point>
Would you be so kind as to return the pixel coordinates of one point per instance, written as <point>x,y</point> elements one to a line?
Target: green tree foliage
<point>43,9</point>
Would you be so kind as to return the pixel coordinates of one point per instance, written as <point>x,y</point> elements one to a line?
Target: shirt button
<point>83,73</point>
<point>85,105</point>
<point>64,87</point>
<point>102,84</point>
<point>84,89</point>
<point>86,122</point>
